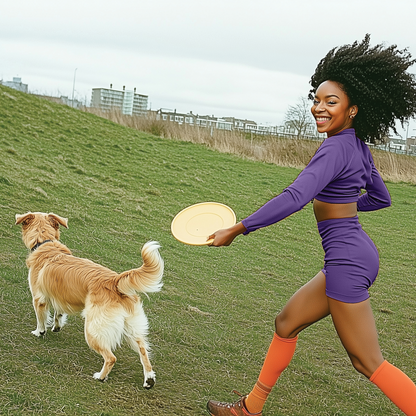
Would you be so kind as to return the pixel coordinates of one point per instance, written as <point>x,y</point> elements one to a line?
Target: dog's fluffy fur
<point>108,301</point>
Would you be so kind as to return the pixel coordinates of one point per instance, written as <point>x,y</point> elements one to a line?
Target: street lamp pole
<point>73,87</point>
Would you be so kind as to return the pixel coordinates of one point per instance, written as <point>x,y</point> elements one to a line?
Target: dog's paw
<point>149,383</point>
<point>56,328</point>
<point>38,333</point>
<point>97,376</point>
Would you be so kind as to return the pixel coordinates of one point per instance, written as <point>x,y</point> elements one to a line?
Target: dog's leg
<point>109,358</point>
<point>136,329</point>
<point>149,374</point>
<point>57,317</point>
<point>59,321</point>
<point>139,344</point>
<point>109,361</point>
<point>42,314</point>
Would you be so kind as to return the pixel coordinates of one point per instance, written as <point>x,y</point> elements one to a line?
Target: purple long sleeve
<point>377,196</point>
<point>319,172</point>
<point>340,168</point>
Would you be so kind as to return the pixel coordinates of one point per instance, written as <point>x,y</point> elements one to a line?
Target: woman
<point>358,92</point>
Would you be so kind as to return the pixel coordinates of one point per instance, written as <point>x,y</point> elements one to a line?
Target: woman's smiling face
<point>331,109</point>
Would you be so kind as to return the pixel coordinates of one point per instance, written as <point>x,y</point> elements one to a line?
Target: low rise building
<point>16,84</point>
<point>193,119</point>
<point>74,103</point>
<point>411,144</point>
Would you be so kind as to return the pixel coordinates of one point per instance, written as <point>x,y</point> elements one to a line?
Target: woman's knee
<point>279,324</point>
<point>283,326</point>
<point>368,367</point>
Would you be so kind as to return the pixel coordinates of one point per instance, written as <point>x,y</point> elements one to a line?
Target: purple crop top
<point>340,168</point>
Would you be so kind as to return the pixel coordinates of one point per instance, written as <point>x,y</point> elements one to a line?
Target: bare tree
<point>299,118</point>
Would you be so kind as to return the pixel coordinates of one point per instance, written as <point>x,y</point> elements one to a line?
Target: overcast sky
<point>247,59</point>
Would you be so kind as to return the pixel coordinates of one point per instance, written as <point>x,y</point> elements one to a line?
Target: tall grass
<point>281,151</point>
<point>394,167</point>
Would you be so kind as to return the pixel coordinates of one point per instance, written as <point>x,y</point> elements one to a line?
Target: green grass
<point>120,188</point>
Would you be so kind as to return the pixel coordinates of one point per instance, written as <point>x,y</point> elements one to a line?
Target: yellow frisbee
<point>194,224</point>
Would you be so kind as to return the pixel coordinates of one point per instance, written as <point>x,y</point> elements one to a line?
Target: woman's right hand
<point>225,236</point>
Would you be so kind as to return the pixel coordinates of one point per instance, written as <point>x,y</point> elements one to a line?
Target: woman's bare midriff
<point>326,211</point>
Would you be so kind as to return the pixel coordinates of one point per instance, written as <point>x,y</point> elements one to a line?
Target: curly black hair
<point>376,80</point>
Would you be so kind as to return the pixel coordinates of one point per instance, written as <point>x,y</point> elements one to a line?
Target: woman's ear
<point>353,111</point>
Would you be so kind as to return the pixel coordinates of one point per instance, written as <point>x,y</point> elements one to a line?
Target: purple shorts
<point>351,259</point>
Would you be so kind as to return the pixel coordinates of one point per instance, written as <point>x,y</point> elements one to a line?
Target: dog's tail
<point>148,277</point>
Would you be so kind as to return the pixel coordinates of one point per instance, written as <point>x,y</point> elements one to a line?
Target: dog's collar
<point>39,244</point>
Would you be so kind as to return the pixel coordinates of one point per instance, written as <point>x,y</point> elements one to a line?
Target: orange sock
<point>397,386</point>
<point>278,357</point>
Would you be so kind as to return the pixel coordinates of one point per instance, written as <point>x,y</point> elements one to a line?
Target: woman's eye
<point>315,102</point>
<point>331,102</point>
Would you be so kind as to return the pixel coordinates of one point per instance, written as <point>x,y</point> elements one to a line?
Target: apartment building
<point>127,101</point>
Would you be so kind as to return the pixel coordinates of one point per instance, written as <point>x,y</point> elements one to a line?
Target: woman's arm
<point>324,166</point>
<point>377,195</point>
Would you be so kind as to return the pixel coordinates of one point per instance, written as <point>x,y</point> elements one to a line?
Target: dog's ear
<point>56,220</point>
<point>24,218</point>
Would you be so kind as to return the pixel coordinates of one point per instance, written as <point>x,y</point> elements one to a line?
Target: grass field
<point>213,320</point>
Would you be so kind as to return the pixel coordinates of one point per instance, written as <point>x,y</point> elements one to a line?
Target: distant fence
<point>386,148</point>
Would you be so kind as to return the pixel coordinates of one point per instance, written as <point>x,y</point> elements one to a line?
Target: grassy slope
<point>119,188</point>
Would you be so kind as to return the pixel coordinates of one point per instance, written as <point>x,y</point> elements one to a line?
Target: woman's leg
<point>356,328</point>
<point>308,305</point>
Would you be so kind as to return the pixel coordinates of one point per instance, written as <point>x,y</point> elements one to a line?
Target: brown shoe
<point>230,409</point>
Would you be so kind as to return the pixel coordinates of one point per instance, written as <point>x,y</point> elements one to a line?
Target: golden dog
<point>107,300</point>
